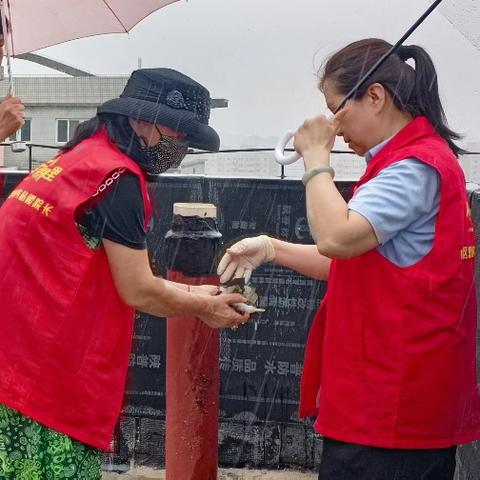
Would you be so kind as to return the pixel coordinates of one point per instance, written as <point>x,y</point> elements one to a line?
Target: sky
<point>263,56</point>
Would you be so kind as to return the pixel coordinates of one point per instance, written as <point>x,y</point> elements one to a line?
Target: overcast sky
<point>262,55</point>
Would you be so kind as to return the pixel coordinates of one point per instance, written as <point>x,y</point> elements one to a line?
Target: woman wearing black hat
<point>75,267</point>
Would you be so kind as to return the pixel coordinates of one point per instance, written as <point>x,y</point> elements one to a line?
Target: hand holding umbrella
<point>60,21</point>
<point>30,26</point>
<point>12,110</point>
<point>12,116</point>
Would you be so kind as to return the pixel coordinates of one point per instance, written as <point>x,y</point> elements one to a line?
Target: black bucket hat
<point>167,97</point>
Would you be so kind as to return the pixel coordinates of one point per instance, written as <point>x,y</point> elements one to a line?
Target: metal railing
<point>30,161</point>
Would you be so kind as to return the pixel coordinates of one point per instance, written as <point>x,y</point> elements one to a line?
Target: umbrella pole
<point>8,40</point>
<point>382,60</point>
<point>8,36</point>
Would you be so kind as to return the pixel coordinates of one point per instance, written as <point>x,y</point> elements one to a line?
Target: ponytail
<point>426,98</point>
<point>413,90</point>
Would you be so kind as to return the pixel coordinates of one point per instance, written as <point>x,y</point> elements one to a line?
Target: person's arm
<point>338,232</point>
<point>249,253</point>
<point>304,259</point>
<point>139,288</point>
<point>119,217</point>
<point>204,289</point>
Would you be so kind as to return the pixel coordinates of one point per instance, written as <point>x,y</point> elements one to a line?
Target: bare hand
<point>12,116</point>
<point>317,133</point>
<point>221,313</point>
<point>204,289</point>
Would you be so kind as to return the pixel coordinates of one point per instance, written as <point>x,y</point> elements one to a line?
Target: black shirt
<point>118,216</point>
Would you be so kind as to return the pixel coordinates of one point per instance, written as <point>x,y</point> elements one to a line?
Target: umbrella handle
<point>287,159</point>
<point>280,156</point>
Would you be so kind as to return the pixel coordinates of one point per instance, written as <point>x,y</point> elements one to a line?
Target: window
<point>66,129</point>
<point>24,134</point>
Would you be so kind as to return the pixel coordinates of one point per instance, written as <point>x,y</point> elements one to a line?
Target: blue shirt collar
<point>376,149</point>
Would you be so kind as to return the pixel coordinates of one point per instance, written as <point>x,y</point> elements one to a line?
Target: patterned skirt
<point>30,451</point>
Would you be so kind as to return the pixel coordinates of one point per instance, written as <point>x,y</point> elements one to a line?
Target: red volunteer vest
<point>66,334</point>
<point>390,359</point>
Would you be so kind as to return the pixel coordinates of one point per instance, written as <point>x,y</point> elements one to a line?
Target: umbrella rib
<point>115,15</point>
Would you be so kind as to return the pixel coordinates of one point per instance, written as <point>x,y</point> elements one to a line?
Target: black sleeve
<point>120,215</point>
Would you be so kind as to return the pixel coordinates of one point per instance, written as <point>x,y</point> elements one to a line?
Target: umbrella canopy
<point>464,15</point>
<point>41,23</point>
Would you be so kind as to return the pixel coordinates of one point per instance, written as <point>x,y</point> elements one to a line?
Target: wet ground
<point>224,474</point>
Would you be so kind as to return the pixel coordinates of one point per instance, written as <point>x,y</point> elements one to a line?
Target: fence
<point>248,162</point>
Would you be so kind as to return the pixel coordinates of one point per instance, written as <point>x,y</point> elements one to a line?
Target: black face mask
<point>167,153</point>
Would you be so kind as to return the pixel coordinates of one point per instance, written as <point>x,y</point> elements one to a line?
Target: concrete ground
<point>224,474</point>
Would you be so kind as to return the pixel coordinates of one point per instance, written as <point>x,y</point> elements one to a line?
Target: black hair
<point>119,132</point>
<point>413,90</point>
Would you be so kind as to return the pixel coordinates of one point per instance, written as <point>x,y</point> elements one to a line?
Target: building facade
<point>54,106</point>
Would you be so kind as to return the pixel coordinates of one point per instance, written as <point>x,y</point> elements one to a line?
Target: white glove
<point>244,256</point>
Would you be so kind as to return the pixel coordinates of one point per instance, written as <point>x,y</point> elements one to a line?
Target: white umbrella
<point>464,15</point>
<point>30,25</point>
<point>36,24</point>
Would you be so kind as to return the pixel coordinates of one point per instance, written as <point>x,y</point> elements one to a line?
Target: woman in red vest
<point>74,267</point>
<point>390,363</point>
